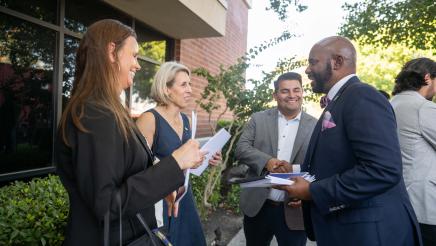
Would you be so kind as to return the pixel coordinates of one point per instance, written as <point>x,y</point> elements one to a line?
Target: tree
<point>378,66</point>
<point>281,7</point>
<point>411,23</point>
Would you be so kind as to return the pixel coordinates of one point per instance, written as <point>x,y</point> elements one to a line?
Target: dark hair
<point>287,76</point>
<point>412,76</point>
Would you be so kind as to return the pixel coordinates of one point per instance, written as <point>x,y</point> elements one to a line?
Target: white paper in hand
<point>193,124</point>
<point>215,144</point>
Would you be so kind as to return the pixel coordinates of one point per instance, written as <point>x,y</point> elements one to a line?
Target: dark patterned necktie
<point>324,101</point>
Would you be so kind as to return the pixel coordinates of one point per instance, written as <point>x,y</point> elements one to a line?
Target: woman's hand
<point>170,199</point>
<point>173,206</point>
<point>216,159</point>
<point>189,155</point>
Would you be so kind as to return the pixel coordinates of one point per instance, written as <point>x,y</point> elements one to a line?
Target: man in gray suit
<point>272,141</point>
<point>414,89</point>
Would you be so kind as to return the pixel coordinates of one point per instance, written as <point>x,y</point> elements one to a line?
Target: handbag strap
<point>107,223</point>
<point>150,234</point>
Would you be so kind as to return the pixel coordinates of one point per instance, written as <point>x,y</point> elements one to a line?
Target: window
<point>79,14</point>
<point>26,105</point>
<point>152,52</point>
<point>33,45</point>
<point>44,10</point>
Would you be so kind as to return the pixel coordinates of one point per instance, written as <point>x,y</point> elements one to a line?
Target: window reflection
<point>41,9</point>
<point>154,50</point>
<point>79,14</point>
<point>26,110</point>
<point>70,48</point>
<point>141,88</point>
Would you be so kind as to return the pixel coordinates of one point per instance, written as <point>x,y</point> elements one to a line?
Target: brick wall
<point>210,53</point>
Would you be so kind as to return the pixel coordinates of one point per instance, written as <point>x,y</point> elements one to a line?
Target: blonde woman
<point>166,128</point>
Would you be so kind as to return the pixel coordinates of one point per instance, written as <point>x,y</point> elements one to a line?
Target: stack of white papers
<point>273,179</point>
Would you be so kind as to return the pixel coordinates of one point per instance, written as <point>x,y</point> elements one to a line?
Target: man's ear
<point>427,79</point>
<point>338,62</point>
<point>111,51</point>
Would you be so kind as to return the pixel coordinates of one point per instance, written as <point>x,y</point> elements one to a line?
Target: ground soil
<point>228,223</point>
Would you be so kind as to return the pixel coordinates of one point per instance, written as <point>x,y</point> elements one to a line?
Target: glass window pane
<point>45,10</point>
<point>152,44</point>
<point>26,109</point>
<point>79,14</point>
<point>154,50</point>
<point>141,88</point>
<point>70,48</point>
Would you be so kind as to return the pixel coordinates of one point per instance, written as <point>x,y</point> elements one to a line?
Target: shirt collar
<point>298,117</point>
<point>334,90</point>
<point>414,93</point>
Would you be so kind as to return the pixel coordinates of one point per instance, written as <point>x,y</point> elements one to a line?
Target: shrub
<point>231,199</point>
<point>33,213</point>
<point>198,185</point>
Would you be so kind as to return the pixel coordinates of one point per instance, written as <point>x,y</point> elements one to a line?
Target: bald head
<point>330,60</point>
<point>339,46</point>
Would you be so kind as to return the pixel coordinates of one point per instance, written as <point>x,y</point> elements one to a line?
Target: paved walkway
<point>239,240</point>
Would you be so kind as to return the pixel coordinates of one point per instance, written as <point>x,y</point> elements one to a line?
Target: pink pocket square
<point>327,121</point>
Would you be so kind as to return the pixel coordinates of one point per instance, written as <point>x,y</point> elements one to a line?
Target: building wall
<point>210,53</point>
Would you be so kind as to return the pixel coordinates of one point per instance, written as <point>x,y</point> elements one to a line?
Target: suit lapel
<point>302,132</point>
<point>273,123</point>
<point>316,132</point>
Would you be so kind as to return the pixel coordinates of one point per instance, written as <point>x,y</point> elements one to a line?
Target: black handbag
<point>150,238</point>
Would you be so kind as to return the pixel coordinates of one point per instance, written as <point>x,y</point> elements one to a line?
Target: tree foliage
<point>281,7</point>
<point>411,23</point>
<point>378,66</point>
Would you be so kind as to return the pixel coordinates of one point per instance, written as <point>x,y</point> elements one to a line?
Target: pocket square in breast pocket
<point>327,121</point>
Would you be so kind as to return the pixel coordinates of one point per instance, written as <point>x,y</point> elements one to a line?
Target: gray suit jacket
<point>416,120</point>
<point>257,144</point>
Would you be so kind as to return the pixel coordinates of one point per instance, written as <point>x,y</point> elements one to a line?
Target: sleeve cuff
<point>321,200</point>
<point>296,168</point>
<point>172,168</point>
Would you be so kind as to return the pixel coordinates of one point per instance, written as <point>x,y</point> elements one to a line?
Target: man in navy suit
<point>359,197</point>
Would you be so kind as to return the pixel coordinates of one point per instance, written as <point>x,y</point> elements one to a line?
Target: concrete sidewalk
<point>239,240</point>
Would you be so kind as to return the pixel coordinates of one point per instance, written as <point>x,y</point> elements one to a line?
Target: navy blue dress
<point>185,230</point>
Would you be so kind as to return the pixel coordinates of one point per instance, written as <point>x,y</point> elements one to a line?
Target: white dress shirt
<point>286,138</point>
<point>336,87</point>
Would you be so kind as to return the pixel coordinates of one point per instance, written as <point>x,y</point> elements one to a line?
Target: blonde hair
<point>96,77</point>
<point>163,79</point>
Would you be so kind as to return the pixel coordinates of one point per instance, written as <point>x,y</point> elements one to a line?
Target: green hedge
<point>33,213</point>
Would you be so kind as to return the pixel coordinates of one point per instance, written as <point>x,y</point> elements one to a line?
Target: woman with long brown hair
<point>101,153</point>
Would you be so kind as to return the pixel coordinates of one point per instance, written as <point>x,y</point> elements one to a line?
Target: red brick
<point>211,53</point>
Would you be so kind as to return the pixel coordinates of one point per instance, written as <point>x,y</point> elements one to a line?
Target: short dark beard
<point>320,79</point>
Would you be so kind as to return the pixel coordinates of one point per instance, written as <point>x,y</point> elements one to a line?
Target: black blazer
<point>100,162</point>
